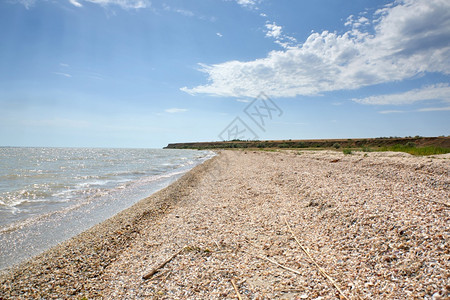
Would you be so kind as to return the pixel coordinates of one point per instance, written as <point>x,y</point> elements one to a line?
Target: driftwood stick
<point>238,295</point>
<point>161,274</point>
<point>160,266</point>
<point>315,263</point>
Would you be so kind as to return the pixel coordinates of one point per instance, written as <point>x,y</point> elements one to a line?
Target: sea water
<point>48,195</point>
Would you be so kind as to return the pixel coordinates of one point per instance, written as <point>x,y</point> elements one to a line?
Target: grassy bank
<point>429,150</point>
<point>414,145</point>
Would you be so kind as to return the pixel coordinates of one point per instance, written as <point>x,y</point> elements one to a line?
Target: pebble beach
<point>265,225</point>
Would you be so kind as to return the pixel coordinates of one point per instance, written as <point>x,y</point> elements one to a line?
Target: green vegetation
<point>428,150</point>
<point>414,145</point>
<point>347,151</point>
<point>410,148</point>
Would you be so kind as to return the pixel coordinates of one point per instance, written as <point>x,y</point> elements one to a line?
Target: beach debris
<point>280,265</point>
<point>161,265</point>
<point>238,295</point>
<point>315,263</point>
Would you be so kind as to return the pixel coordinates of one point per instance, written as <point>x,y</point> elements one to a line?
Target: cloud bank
<point>404,39</point>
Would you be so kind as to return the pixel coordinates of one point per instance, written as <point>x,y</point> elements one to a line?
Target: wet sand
<point>265,225</point>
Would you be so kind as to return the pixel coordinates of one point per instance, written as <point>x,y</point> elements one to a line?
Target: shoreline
<point>101,243</point>
<point>369,221</point>
<point>89,201</point>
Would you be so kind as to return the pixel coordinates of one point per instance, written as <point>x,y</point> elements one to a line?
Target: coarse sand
<point>265,225</point>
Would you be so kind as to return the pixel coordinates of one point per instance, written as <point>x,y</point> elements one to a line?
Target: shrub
<point>347,151</point>
<point>337,145</point>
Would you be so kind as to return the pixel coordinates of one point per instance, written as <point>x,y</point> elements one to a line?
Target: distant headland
<point>439,144</point>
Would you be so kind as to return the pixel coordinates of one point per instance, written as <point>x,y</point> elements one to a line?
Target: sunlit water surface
<point>48,195</point>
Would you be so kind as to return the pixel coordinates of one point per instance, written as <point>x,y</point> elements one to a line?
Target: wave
<point>86,197</point>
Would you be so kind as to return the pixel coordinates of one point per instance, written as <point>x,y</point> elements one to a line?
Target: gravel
<point>374,224</point>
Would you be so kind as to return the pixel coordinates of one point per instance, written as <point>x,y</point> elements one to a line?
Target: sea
<point>48,195</point>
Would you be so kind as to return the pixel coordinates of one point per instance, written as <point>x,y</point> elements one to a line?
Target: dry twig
<point>161,275</point>
<point>161,265</point>
<point>315,263</point>
<point>238,295</point>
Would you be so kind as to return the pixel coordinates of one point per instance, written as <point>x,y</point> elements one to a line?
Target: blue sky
<point>137,73</point>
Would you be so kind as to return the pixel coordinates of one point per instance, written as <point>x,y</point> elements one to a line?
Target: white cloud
<point>434,109</point>
<point>175,110</point>
<point>408,38</point>
<point>273,30</point>
<point>356,23</point>
<point>125,4</point>
<point>75,3</point>
<point>432,92</point>
<point>247,3</point>
<point>426,109</point>
<point>219,34</point>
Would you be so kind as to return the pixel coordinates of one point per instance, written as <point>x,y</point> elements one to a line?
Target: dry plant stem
<point>217,244</point>
<point>315,263</point>
<point>280,265</point>
<point>238,295</point>
<point>160,266</point>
